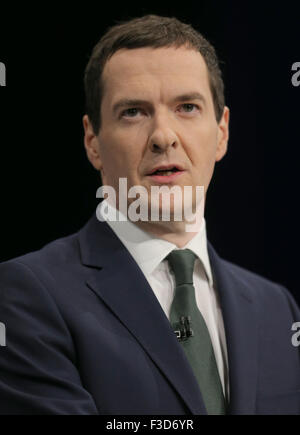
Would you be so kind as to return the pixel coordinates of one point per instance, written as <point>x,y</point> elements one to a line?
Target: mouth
<point>166,173</point>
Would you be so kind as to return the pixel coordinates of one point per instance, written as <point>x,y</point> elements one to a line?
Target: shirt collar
<point>149,251</point>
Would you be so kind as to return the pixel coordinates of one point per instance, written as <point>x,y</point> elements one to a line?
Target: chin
<point>168,209</point>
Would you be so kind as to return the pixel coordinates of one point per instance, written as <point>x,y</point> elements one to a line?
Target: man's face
<point>157,109</point>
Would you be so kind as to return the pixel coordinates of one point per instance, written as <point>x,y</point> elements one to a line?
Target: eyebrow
<point>128,102</point>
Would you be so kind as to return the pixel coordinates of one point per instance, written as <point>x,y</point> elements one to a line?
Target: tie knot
<point>182,262</point>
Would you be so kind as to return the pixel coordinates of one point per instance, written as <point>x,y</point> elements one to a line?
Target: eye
<point>188,107</point>
<point>131,112</point>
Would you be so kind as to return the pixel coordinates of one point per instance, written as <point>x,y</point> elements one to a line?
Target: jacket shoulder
<point>62,250</point>
<point>266,291</point>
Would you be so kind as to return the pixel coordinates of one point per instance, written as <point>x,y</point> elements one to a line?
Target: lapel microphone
<point>184,331</point>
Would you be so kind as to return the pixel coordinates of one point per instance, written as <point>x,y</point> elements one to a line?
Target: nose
<point>162,135</point>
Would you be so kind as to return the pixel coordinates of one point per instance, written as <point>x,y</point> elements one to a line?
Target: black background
<point>48,187</point>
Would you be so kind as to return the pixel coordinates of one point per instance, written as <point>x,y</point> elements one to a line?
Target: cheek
<point>202,148</point>
<point>112,149</point>
<point>127,148</point>
<point>202,152</point>
<point>119,159</point>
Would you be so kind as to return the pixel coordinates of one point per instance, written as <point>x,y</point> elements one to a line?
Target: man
<point>144,317</point>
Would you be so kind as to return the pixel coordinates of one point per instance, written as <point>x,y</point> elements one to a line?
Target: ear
<point>91,144</point>
<point>223,135</point>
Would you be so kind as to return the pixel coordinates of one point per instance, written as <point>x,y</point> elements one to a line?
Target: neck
<point>173,232</point>
<point>177,232</point>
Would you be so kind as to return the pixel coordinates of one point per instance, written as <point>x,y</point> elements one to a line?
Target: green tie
<point>192,332</point>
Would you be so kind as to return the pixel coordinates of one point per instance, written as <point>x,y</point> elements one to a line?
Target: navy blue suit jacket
<point>85,334</point>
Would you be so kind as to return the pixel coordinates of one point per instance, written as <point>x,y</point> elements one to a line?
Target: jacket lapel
<point>121,285</point>
<point>241,330</point>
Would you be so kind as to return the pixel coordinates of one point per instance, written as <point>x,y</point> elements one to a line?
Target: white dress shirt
<point>150,252</point>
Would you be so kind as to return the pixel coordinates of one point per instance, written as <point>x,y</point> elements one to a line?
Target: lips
<point>166,174</point>
<point>166,169</point>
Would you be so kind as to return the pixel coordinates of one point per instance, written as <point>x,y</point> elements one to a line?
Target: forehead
<point>150,70</point>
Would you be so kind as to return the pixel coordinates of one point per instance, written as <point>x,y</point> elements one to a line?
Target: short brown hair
<point>148,31</point>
